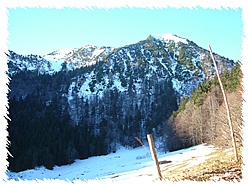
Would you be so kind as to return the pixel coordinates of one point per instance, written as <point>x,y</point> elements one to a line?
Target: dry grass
<point>217,166</point>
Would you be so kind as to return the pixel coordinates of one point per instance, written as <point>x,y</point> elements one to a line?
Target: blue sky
<point>41,31</point>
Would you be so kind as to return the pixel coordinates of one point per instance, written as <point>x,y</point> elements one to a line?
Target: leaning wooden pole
<point>153,153</point>
<point>227,107</point>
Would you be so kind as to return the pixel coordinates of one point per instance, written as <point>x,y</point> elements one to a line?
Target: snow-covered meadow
<point>125,164</point>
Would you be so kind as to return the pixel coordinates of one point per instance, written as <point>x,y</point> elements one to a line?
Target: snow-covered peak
<point>169,37</point>
<point>59,54</point>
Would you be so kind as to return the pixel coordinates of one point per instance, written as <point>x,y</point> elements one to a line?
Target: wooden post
<point>153,153</point>
<point>227,107</point>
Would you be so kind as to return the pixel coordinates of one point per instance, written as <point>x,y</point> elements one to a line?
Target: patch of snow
<point>176,85</point>
<point>85,90</point>
<point>128,54</point>
<point>117,84</point>
<point>98,51</point>
<point>56,66</point>
<point>59,54</point>
<point>163,64</point>
<point>168,37</point>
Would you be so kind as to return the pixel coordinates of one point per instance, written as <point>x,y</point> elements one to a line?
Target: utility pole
<point>227,107</point>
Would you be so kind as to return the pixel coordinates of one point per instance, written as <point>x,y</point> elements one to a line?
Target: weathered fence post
<point>227,107</point>
<point>153,153</point>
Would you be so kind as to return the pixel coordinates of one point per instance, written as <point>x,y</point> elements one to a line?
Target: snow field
<point>124,165</point>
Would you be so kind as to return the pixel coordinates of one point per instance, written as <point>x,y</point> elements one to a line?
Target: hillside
<point>202,117</point>
<point>76,103</point>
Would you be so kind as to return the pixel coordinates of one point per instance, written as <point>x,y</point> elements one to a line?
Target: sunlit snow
<point>169,37</point>
<point>125,164</point>
<point>60,54</point>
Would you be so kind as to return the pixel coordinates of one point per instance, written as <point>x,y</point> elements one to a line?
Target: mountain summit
<point>170,37</point>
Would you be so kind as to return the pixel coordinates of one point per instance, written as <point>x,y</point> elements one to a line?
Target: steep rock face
<point>121,92</point>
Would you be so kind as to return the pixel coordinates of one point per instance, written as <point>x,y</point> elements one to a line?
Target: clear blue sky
<point>41,31</point>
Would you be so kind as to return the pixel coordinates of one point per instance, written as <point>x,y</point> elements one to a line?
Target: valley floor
<point>134,164</point>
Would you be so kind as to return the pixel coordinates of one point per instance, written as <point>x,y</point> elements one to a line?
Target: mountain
<point>176,58</point>
<point>99,97</point>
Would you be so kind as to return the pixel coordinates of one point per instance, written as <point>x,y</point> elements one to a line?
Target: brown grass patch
<point>218,166</point>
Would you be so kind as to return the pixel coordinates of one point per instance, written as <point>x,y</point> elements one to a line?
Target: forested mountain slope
<point>76,103</point>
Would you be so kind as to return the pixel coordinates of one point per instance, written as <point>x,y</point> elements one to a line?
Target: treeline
<point>202,117</point>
